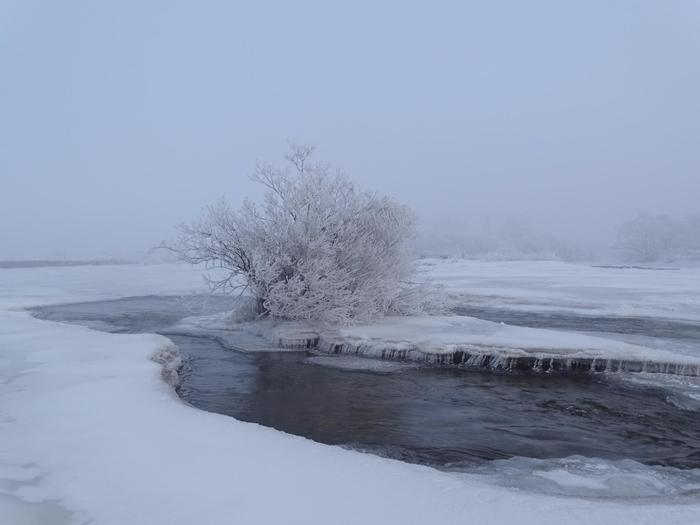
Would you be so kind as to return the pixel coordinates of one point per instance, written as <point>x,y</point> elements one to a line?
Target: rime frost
<point>317,248</point>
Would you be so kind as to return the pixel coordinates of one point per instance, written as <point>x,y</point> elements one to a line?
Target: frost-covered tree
<point>648,238</point>
<point>316,248</point>
<point>651,238</point>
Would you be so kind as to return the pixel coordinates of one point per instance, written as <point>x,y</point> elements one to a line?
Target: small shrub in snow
<point>318,248</point>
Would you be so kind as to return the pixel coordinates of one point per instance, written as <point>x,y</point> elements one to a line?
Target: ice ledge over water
<point>460,341</point>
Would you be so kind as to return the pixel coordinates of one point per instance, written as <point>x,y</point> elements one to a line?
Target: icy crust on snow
<point>444,334</point>
<point>546,286</point>
<point>471,342</point>
<point>593,478</point>
<point>170,360</point>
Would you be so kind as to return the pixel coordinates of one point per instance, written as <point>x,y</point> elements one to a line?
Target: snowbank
<point>468,341</point>
<point>442,334</point>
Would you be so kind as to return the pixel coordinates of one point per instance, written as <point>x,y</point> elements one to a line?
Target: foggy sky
<point>119,120</point>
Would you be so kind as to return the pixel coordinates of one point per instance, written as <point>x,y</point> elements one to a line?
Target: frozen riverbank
<point>92,433</point>
<point>446,417</point>
<point>470,342</point>
<point>450,340</point>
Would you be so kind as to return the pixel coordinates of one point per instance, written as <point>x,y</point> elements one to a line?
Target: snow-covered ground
<point>89,433</point>
<point>584,289</point>
<point>27,287</point>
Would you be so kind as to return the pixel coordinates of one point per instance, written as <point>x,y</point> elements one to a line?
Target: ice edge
<point>485,357</point>
<point>170,359</point>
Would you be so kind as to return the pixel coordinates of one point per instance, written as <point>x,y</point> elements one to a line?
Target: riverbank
<point>91,433</point>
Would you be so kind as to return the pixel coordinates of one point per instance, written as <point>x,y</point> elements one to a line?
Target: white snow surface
<point>445,334</point>
<point>27,287</point>
<point>89,433</point>
<point>583,289</point>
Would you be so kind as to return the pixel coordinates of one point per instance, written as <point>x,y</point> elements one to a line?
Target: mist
<point>121,120</point>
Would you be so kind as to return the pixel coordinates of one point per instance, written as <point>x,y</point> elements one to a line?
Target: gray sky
<point>120,119</point>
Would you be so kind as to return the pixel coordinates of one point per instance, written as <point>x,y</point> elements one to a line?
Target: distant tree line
<point>660,238</point>
<point>513,240</point>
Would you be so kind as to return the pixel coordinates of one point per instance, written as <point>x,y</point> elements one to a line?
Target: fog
<point>119,120</point>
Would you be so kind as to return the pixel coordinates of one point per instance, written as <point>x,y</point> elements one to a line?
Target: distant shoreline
<point>48,263</point>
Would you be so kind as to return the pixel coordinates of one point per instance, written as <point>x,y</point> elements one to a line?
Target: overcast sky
<point>120,119</point>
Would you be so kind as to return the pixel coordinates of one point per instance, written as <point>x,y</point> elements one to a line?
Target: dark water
<point>438,416</point>
<point>645,326</point>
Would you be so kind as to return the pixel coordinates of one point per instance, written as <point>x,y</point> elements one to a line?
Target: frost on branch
<point>317,248</point>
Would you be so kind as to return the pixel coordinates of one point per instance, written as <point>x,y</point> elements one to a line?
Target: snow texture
<point>92,434</point>
<point>443,334</point>
<point>467,341</point>
<point>547,286</point>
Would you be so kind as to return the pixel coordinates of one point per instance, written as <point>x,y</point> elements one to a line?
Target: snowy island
<point>457,341</point>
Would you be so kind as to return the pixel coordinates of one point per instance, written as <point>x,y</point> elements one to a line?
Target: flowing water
<point>445,417</point>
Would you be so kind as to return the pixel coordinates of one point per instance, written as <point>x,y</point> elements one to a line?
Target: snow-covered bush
<point>317,248</point>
